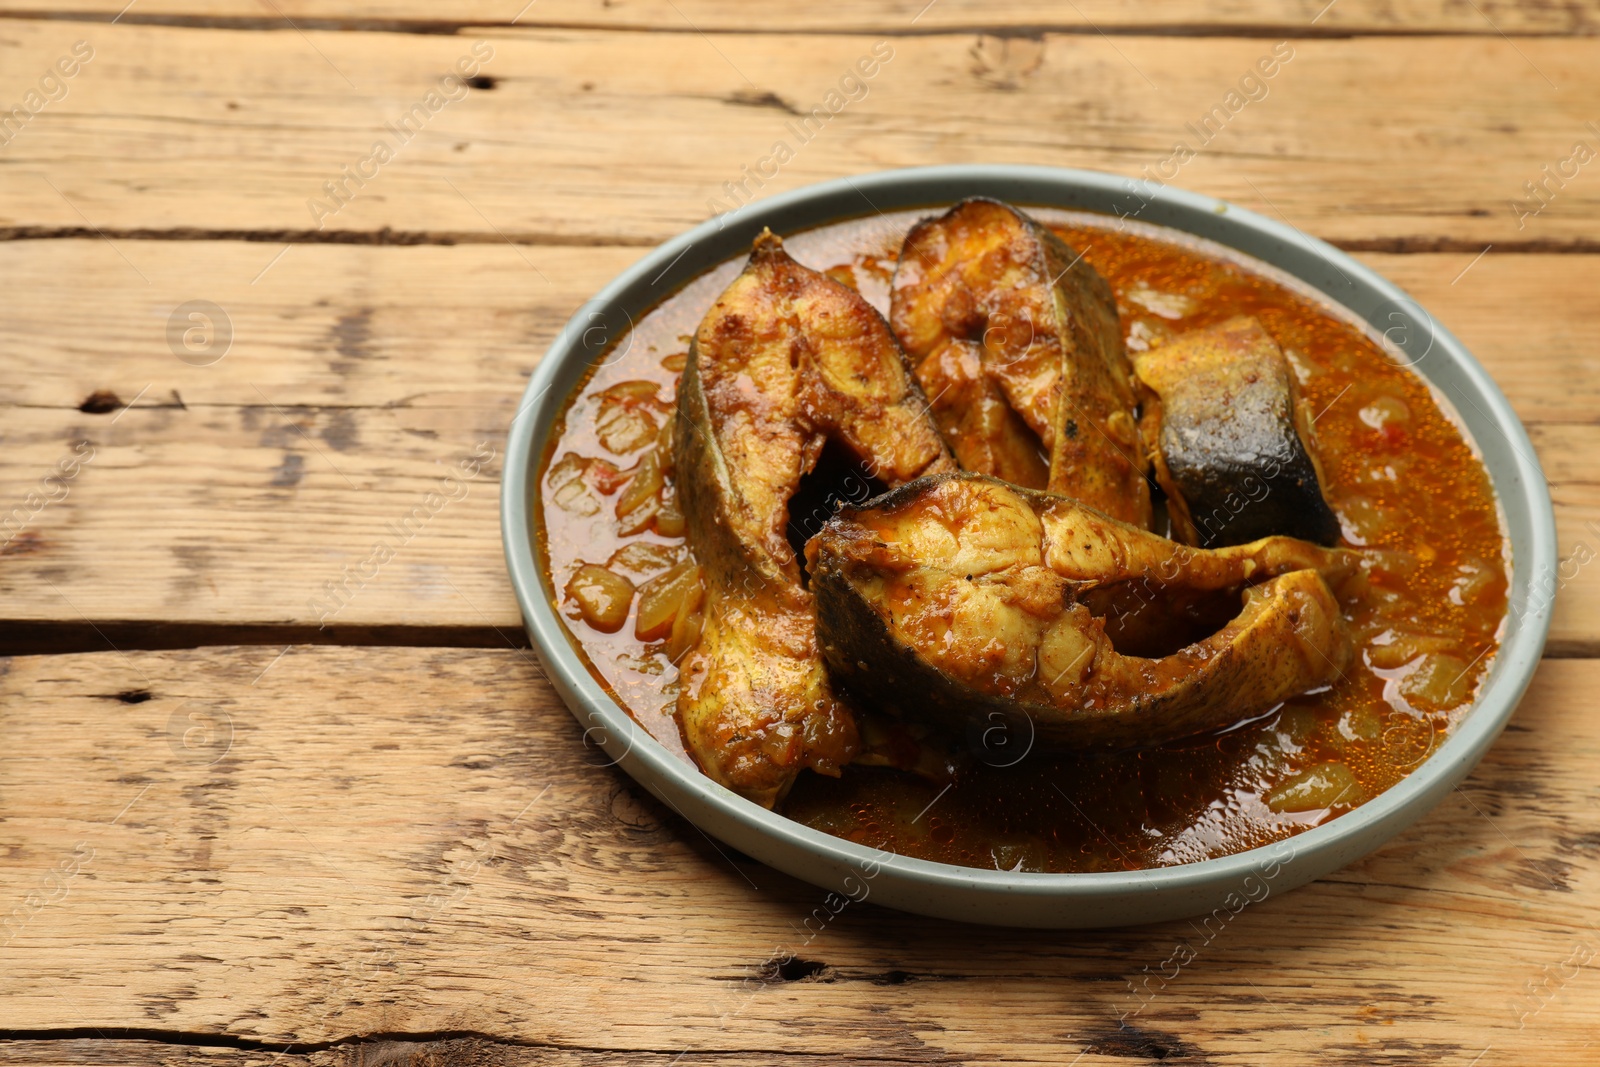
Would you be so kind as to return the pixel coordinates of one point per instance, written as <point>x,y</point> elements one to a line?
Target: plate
<point>1225,884</point>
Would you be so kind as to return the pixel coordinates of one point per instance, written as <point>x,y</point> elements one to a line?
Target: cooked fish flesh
<point>960,598</point>
<point>1230,441</point>
<point>1015,339</point>
<point>786,360</point>
<point>973,416</point>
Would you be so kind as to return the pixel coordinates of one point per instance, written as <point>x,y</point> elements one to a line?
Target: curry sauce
<point>1403,480</point>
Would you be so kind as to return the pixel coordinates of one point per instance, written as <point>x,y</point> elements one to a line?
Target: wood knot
<point>100,402</point>
<point>781,969</point>
<point>1004,63</point>
<point>633,812</point>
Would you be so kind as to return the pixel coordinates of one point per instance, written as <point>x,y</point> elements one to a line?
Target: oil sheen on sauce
<point>1398,470</point>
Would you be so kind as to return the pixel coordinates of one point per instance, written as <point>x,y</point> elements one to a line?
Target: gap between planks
<point>245,1044</point>
<point>141,1048</point>
<point>385,236</point>
<point>1415,244</point>
<point>1297,30</point>
<point>69,637</point>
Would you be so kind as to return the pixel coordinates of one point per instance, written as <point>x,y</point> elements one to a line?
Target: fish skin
<point>1015,338</point>
<point>1229,440</point>
<point>785,360</point>
<point>970,594</point>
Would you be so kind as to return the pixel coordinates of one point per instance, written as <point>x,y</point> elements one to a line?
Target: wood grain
<point>614,137</point>
<point>285,855</point>
<point>359,377</point>
<point>334,414</point>
<point>1486,17</point>
<point>338,843</point>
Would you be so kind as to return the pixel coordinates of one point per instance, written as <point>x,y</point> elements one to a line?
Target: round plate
<point>1014,898</point>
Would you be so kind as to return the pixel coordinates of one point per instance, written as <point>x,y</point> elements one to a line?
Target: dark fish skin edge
<point>1280,496</point>
<point>1246,471</point>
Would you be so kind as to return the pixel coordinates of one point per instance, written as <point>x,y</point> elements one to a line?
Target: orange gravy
<point>1398,470</point>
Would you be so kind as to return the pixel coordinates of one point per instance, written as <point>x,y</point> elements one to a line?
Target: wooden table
<point>238,827</point>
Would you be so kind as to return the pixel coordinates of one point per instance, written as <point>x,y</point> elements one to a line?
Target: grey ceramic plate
<point>1018,899</point>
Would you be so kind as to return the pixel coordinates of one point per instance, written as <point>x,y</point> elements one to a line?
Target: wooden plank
<point>343,842</point>
<point>337,409</point>
<point>617,137</point>
<point>894,16</point>
<point>401,327</point>
<point>359,377</point>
